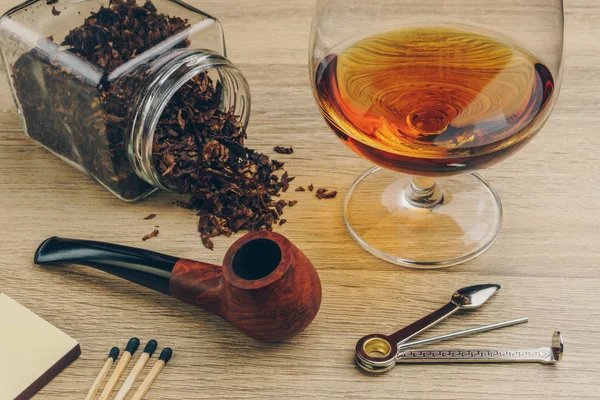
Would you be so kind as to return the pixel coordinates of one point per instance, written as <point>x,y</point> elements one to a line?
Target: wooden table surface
<point>546,258</point>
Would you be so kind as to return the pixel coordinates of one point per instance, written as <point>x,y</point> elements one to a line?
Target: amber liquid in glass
<point>433,101</point>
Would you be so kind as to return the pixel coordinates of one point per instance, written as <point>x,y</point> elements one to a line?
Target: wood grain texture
<point>546,259</point>
<point>198,284</point>
<point>271,308</point>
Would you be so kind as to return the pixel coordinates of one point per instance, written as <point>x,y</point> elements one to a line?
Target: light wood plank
<point>546,258</point>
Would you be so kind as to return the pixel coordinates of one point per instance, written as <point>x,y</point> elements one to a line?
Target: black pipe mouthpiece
<point>144,267</point>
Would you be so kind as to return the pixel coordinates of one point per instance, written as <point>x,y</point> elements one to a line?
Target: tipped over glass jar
<point>110,87</point>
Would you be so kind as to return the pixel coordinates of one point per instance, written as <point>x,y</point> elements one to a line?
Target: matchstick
<point>131,348</point>
<point>137,369</point>
<point>112,357</point>
<point>164,358</point>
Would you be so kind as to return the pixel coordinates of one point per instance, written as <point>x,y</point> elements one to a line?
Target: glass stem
<point>423,192</point>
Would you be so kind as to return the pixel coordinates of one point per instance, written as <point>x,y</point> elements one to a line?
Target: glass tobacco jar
<point>95,82</point>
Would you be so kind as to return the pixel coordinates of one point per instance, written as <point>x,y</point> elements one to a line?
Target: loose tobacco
<point>198,146</point>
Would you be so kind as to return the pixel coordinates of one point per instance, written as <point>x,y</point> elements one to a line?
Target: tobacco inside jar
<point>139,96</point>
<point>188,121</point>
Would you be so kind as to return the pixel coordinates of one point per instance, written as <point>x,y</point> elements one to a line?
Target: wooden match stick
<point>164,358</point>
<point>112,357</point>
<point>137,369</point>
<point>131,348</point>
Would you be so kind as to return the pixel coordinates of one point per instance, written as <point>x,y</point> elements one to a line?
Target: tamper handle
<point>404,334</point>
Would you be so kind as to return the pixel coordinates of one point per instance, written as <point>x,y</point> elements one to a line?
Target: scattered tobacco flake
<point>323,193</point>
<point>292,203</point>
<point>206,241</point>
<point>279,206</point>
<point>284,182</point>
<point>311,187</point>
<point>278,165</point>
<point>283,150</point>
<point>283,221</point>
<point>55,11</point>
<point>300,189</point>
<point>151,235</point>
<point>151,216</point>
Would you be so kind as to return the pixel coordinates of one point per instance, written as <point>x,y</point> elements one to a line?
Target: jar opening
<point>177,95</point>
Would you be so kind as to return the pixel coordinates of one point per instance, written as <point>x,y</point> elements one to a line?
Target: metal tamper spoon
<point>378,353</point>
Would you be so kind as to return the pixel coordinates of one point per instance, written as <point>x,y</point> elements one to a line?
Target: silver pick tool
<point>380,353</point>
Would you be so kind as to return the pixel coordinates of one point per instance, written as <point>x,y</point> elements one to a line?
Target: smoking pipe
<point>266,288</point>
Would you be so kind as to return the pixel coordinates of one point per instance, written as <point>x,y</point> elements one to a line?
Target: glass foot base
<point>459,228</point>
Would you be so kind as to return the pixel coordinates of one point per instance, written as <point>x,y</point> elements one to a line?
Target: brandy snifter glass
<point>431,91</point>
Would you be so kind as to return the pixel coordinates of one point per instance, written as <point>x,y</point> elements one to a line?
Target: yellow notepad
<point>32,351</point>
